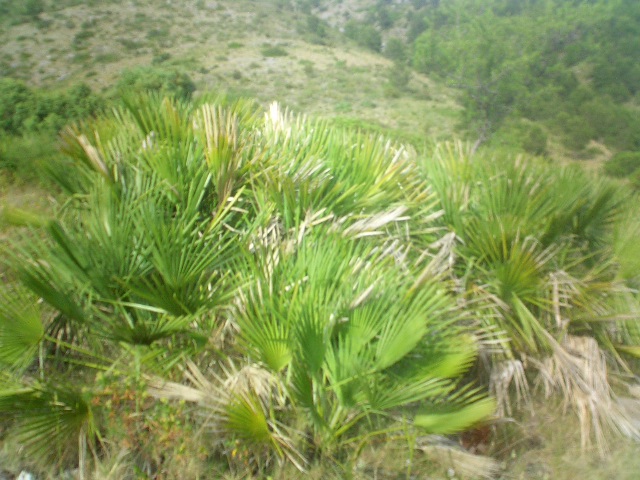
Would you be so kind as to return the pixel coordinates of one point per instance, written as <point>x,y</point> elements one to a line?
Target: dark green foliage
<point>13,96</point>
<point>20,11</point>
<point>23,109</point>
<point>395,50</point>
<point>165,81</point>
<point>313,29</point>
<point>82,35</point>
<point>623,165</point>
<point>29,121</point>
<point>364,35</point>
<point>382,16</point>
<point>417,25</point>
<point>535,140</point>
<point>398,77</point>
<point>33,8</point>
<point>574,72</point>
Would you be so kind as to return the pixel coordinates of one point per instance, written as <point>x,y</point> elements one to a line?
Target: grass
<point>547,447</point>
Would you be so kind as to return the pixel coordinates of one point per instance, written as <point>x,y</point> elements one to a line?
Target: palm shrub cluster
<point>539,255</point>
<point>260,290</point>
<point>229,287</point>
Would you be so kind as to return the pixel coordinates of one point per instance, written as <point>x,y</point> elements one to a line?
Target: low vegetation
<point>195,284</point>
<point>302,287</point>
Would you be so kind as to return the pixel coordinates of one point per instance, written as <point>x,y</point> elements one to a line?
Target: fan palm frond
<point>51,422</point>
<point>456,415</point>
<point>21,328</point>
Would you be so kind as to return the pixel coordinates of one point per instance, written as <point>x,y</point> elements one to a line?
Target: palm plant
<point>348,347</point>
<point>201,232</point>
<point>137,263</point>
<point>331,320</point>
<point>533,257</point>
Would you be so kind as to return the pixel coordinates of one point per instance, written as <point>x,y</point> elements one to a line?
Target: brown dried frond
<point>578,369</point>
<point>505,375</point>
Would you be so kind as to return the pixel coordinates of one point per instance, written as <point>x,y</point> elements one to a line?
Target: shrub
<point>531,238</point>
<point>623,165</point>
<point>364,35</point>
<point>23,109</point>
<point>33,8</point>
<point>534,140</point>
<point>15,103</point>
<point>395,50</point>
<point>274,51</point>
<point>156,79</point>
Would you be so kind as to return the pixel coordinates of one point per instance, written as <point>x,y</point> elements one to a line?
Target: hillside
<point>259,49</point>
<point>537,77</point>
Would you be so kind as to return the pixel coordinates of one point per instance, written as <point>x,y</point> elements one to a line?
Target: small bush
<point>274,51</point>
<point>160,58</point>
<point>83,35</point>
<point>534,140</point>
<point>109,57</point>
<point>165,81</point>
<point>398,76</point>
<point>130,45</point>
<point>623,165</point>
<point>158,33</point>
<point>364,35</point>
<point>395,50</point>
<point>308,68</point>
<point>33,8</point>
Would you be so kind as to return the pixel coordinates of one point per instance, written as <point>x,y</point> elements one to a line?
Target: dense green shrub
<point>398,77</point>
<point>395,50</point>
<point>32,8</point>
<point>20,11</point>
<point>29,122</point>
<point>535,140</point>
<point>15,99</point>
<point>364,35</point>
<point>513,59</point>
<point>623,164</point>
<point>313,29</point>
<point>165,81</point>
<point>23,109</point>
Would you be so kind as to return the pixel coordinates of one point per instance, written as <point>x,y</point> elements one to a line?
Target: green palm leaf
<point>387,393</point>
<point>21,329</point>
<point>266,333</point>
<point>245,417</point>
<point>447,419</point>
<point>51,421</point>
